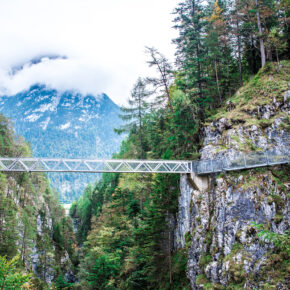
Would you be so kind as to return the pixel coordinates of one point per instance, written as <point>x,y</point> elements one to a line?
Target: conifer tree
<point>191,54</point>
<point>161,83</point>
<point>11,277</point>
<point>216,42</point>
<point>260,35</point>
<point>135,112</point>
<point>236,22</point>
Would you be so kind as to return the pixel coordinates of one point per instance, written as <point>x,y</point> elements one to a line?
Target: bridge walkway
<point>202,167</point>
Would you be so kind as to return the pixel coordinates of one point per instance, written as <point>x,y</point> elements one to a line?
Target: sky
<point>103,42</point>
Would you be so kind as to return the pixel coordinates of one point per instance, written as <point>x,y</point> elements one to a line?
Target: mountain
<point>65,124</point>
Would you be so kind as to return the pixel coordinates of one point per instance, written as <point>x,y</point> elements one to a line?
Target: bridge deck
<point>242,161</point>
<point>94,166</point>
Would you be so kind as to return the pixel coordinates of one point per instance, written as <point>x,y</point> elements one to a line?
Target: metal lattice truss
<point>241,161</point>
<point>93,166</point>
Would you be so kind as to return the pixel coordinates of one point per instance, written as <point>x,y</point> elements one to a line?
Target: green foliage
<point>10,276</point>
<point>8,222</point>
<point>103,272</point>
<point>205,260</point>
<point>124,248</point>
<point>201,279</point>
<point>260,90</point>
<point>281,241</point>
<point>30,216</point>
<point>58,236</point>
<point>134,114</point>
<point>124,222</point>
<point>179,266</point>
<point>61,283</point>
<point>91,204</point>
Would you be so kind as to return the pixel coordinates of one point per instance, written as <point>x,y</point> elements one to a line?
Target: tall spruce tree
<point>191,53</point>
<point>236,22</point>
<point>135,112</point>
<point>216,42</point>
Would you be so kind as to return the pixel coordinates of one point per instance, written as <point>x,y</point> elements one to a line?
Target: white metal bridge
<point>93,165</point>
<point>241,161</point>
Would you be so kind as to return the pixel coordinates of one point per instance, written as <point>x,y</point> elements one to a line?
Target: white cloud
<point>103,40</point>
<point>63,74</point>
<point>65,126</point>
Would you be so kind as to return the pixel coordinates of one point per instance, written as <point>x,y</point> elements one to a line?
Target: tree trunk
<point>166,90</point>
<point>23,245</point>
<point>164,81</point>
<point>253,59</point>
<point>239,51</point>
<point>262,46</point>
<point>169,251</point>
<point>44,268</point>
<point>217,79</point>
<point>141,202</point>
<point>269,52</point>
<point>228,78</point>
<point>199,73</point>
<point>140,130</point>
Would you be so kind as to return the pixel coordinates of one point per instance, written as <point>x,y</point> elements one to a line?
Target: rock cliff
<point>33,225</point>
<point>222,222</point>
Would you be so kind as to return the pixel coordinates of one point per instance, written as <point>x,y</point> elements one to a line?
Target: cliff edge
<point>235,231</point>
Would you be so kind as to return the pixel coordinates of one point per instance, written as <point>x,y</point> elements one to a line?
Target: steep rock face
<point>36,214</point>
<point>183,217</point>
<point>225,249</point>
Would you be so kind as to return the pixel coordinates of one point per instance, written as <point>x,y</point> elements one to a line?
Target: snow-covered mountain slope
<point>65,124</point>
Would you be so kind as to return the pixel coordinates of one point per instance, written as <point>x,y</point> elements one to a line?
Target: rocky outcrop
<point>184,217</point>
<point>225,248</point>
<point>37,214</point>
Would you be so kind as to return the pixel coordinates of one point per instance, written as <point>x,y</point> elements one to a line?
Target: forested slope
<point>156,232</point>
<point>132,225</point>
<point>33,225</point>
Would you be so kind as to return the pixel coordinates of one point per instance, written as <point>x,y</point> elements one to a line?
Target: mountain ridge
<point>69,125</point>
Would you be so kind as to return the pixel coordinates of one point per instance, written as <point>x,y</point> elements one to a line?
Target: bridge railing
<point>241,161</point>
<point>93,165</point>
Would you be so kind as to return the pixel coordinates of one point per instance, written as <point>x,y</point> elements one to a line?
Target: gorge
<point>226,96</point>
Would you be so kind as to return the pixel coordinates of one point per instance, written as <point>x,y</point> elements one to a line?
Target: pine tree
<point>259,18</point>
<point>160,84</point>
<point>10,277</point>
<point>135,112</point>
<point>275,42</point>
<point>191,53</point>
<point>236,21</point>
<point>217,42</point>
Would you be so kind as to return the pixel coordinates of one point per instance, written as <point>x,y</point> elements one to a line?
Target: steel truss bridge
<point>241,161</point>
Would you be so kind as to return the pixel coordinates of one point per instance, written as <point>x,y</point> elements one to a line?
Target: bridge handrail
<point>94,165</point>
<point>241,161</point>
<point>206,166</point>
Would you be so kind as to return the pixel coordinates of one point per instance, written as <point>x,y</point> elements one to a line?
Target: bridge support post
<point>200,183</point>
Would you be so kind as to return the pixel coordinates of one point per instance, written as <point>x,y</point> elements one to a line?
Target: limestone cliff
<point>221,223</point>
<point>33,225</point>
